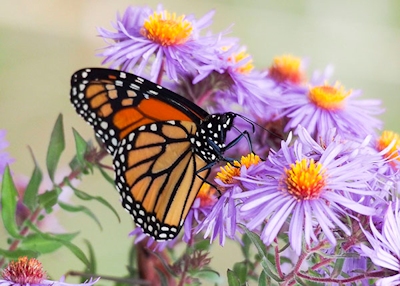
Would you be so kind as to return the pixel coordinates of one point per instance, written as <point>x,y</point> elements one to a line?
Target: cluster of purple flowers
<point>332,168</point>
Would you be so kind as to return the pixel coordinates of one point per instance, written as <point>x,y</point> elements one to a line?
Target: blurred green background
<point>43,42</point>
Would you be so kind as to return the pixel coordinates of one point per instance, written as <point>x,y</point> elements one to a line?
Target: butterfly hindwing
<point>156,175</point>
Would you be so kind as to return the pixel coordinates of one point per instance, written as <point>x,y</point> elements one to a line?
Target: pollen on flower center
<point>206,195</point>
<point>230,171</point>
<point>328,97</point>
<point>247,65</point>
<point>304,180</point>
<point>385,140</point>
<point>287,68</point>
<point>167,29</point>
<point>24,271</point>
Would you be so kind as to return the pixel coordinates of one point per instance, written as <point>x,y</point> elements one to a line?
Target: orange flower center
<point>167,29</point>
<point>287,68</point>
<point>328,97</point>
<point>247,66</point>
<point>304,180</point>
<point>230,171</point>
<point>385,140</point>
<point>206,195</point>
<point>24,271</point>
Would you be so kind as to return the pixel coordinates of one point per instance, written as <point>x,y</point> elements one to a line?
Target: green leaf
<point>15,254</point>
<point>240,269</point>
<point>31,192</point>
<point>8,204</point>
<point>86,197</point>
<point>85,210</point>
<point>81,147</point>
<point>262,280</point>
<point>337,270</point>
<point>210,275</point>
<point>48,199</point>
<point>202,245</point>
<point>106,176</point>
<point>232,279</point>
<point>36,242</point>
<point>92,258</point>
<point>267,266</point>
<point>245,246</point>
<point>72,247</point>
<point>56,147</point>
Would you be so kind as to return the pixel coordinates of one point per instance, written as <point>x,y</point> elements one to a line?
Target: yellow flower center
<point>167,29</point>
<point>230,171</point>
<point>206,195</point>
<point>328,97</point>
<point>385,140</point>
<point>24,271</point>
<point>304,180</point>
<point>247,67</point>
<point>287,68</point>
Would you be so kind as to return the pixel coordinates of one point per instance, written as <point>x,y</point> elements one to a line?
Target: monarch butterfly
<point>163,145</point>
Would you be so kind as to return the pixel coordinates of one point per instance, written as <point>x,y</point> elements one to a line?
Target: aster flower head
<point>389,144</point>
<point>324,106</point>
<point>201,208</point>
<point>5,158</point>
<point>224,216</point>
<point>288,69</point>
<point>385,246</point>
<point>29,271</point>
<point>164,40</point>
<point>306,185</point>
<point>242,84</point>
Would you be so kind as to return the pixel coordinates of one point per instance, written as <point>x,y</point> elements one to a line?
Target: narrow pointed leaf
<point>72,247</point>
<point>232,279</point>
<point>240,269</point>
<point>85,210</point>
<point>86,197</point>
<point>81,147</point>
<point>265,263</point>
<point>92,258</point>
<point>56,147</point>
<point>262,280</point>
<point>36,242</point>
<point>48,199</point>
<point>106,176</point>
<point>8,204</point>
<point>31,192</point>
<point>15,254</point>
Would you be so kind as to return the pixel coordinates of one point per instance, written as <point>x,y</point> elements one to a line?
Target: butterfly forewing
<point>116,103</point>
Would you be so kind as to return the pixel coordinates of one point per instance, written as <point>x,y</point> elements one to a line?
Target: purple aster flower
<point>243,84</point>
<point>307,185</point>
<point>288,70</point>
<point>321,107</point>
<point>201,208</point>
<point>30,272</point>
<point>5,158</point>
<point>168,42</point>
<point>223,219</point>
<point>388,144</point>
<point>385,246</point>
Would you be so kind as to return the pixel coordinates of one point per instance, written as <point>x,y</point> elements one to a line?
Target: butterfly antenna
<point>252,123</point>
